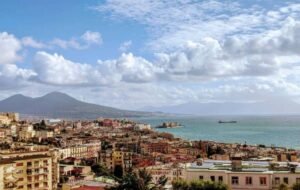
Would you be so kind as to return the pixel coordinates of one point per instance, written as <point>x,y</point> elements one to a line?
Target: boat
<point>169,125</point>
<point>232,121</point>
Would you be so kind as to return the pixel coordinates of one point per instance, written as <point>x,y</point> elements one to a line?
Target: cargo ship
<point>227,121</point>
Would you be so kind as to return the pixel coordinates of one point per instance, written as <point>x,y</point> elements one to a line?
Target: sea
<point>278,131</point>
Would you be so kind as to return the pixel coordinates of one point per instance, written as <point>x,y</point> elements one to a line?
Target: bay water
<point>283,131</point>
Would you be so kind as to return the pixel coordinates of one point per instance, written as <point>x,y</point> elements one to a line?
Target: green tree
<point>118,171</point>
<point>283,186</point>
<point>141,180</point>
<point>180,185</point>
<point>100,170</point>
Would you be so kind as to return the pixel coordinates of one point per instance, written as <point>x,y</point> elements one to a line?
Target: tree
<point>100,170</point>
<point>118,171</point>
<point>180,185</point>
<point>296,186</point>
<point>283,186</point>
<point>140,180</point>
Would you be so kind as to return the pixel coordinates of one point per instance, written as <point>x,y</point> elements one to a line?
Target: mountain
<point>270,107</point>
<point>60,105</point>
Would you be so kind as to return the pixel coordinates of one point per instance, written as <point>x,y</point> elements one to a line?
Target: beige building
<point>29,170</point>
<point>81,151</point>
<point>237,175</point>
<point>7,118</point>
<point>112,158</point>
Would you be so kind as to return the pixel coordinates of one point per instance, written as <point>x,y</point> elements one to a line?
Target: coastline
<point>272,131</point>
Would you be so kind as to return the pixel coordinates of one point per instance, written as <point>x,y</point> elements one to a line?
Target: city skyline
<point>133,54</point>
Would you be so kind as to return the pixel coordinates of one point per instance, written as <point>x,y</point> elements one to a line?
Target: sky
<point>133,54</point>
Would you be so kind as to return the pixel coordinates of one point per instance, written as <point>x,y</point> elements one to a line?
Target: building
<point>8,118</point>
<point>89,150</point>
<point>112,158</point>
<point>236,174</point>
<point>151,147</point>
<point>29,170</point>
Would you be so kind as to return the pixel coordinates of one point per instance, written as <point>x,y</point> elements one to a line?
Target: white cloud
<point>92,37</point>
<point>171,23</point>
<point>125,46</point>
<point>133,69</point>
<point>9,48</point>
<point>12,77</point>
<point>85,41</point>
<point>30,42</point>
<point>55,69</point>
<point>66,44</point>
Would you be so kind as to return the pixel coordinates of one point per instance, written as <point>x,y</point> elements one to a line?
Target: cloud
<point>56,70</point>
<point>171,23</point>
<point>86,40</point>
<point>125,46</point>
<point>30,42</point>
<point>9,48</point>
<point>12,77</point>
<point>92,37</point>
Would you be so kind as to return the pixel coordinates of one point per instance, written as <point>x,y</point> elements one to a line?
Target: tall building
<point>28,170</point>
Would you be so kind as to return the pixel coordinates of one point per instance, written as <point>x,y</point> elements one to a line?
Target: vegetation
<point>283,186</point>
<point>118,172</point>
<point>100,170</point>
<point>141,180</point>
<point>198,185</point>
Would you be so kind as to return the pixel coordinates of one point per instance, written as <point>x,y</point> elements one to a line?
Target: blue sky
<point>133,54</point>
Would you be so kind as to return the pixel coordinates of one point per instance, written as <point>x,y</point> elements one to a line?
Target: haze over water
<point>268,130</point>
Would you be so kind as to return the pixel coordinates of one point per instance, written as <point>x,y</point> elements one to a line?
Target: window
<point>297,180</point>
<point>248,180</point>
<point>286,180</point>
<point>220,178</point>
<point>263,181</point>
<point>19,164</point>
<point>277,181</point>
<point>201,177</point>
<point>212,178</point>
<point>234,180</point>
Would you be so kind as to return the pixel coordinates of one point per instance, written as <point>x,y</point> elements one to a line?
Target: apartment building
<point>237,175</point>
<point>27,173</point>
<point>111,158</point>
<point>29,170</point>
<point>89,150</point>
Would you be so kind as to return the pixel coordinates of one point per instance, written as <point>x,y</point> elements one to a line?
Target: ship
<point>232,121</point>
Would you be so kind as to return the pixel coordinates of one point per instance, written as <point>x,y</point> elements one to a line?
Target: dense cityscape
<point>149,95</point>
<point>99,154</point>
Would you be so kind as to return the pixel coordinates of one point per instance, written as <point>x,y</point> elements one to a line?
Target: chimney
<point>236,163</point>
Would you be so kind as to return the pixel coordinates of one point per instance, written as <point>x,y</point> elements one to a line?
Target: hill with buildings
<point>60,105</point>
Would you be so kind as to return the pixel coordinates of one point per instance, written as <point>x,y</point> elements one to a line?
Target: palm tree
<point>141,180</point>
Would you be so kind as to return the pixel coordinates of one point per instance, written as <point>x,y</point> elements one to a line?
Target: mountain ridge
<point>61,105</point>
<point>270,107</point>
